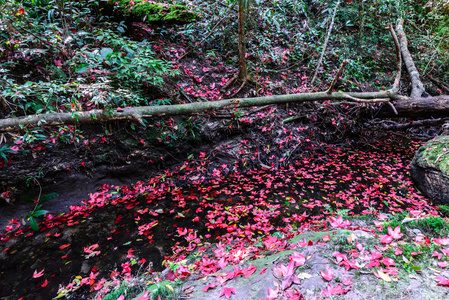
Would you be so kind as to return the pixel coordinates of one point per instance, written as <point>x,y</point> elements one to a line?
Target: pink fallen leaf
<point>289,275</point>
<point>396,233</point>
<point>339,256</point>
<point>37,275</point>
<point>445,251</point>
<point>385,239</point>
<point>121,297</point>
<point>249,271</point>
<point>442,281</point>
<point>441,241</point>
<point>298,258</point>
<point>388,261</point>
<point>272,294</point>
<point>443,264</point>
<point>236,273</point>
<point>338,222</point>
<point>144,296</point>
<point>338,290</point>
<point>263,271</point>
<point>227,292</point>
<point>328,275</point>
<point>437,255</point>
<point>209,286</point>
<point>303,243</point>
<point>348,281</point>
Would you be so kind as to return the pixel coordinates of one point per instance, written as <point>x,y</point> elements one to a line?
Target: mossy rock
<point>159,13</point>
<point>430,169</point>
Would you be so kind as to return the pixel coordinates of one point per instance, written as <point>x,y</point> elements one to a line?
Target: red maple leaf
<point>334,291</point>
<point>298,258</point>
<point>442,281</point>
<point>272,294</point>
<point>210,286</point>
<point>44,283</point>
<point>328,275</point>
<point>64,246</point>
<point>339,223</point>
<point>249,271</point>
<point>396,233</point>
<point>37,275</point>
<point>289,275</point>
<point>227,292</point>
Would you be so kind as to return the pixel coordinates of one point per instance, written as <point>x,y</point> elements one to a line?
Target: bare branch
<point>325,42</point>
<point>340,71</point>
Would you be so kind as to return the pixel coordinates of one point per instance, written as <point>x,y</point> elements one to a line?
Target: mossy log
<point>160,13</point>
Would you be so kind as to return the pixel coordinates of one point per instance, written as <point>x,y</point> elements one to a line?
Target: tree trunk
<point>243,72</point>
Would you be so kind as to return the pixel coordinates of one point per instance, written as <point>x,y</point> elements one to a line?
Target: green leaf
<point>47,197</point>
<point>27,199</point>
<point>33,224</point>
<point>104,52</point>
<point>60,295</point>
<point>81,69</point>
<point>39,213</point>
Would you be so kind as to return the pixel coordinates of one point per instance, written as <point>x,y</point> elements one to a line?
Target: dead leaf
<point>219,274</point>
<point>309,257</point>
<point>435,270</point>
<point>407,219</point>
<point>304,276</point>
<point>188,289</point>
<point>351,238</point>
<point>169,287</point>
<point>413,276</point>
<point>277,273</point>
<point>384,276</point>
<point>405,259</point>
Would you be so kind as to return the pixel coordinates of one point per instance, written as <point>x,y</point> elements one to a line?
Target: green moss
<point>156,13</point>
<point>435,154</point>
<point>311,235</point>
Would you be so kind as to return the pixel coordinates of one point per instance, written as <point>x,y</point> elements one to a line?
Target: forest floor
<point>306,225</point>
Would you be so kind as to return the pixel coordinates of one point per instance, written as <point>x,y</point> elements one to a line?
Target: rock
<point>159,13</point>
<point>430,169</point>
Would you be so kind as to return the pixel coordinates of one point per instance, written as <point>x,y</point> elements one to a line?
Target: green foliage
<point>136,288</point>
<point>433,226</point>
<point>4,149</point>
<point>38,211</point>
<point>444,209</point>
<point>53,60</point>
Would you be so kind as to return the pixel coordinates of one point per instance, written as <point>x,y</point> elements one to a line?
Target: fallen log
<point>418,108</point>
<point>138,113</point>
